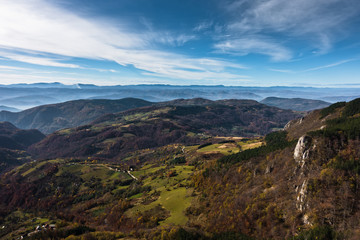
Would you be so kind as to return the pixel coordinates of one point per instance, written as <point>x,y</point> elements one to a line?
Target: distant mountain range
<point>11,109</point>
<point>24,96</point>
<point>297,104</point>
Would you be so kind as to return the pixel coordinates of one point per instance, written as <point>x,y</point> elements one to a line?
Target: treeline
<point>274,141</point>
<point>347,125</point>
<point>331,109</point>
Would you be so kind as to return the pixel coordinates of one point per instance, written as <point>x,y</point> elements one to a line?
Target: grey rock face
<point>302,150</point>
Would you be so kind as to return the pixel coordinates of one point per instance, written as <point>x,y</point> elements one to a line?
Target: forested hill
<point>49,118</point>
<point>298,183</point>
<point>13,143</point>
<point>115,135</point>
<point>303,184</point>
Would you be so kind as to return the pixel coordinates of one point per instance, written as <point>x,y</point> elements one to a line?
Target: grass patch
<point>146,170</point>
<point>37,166</point>
<point>227,148</point>
<point>174,196</point>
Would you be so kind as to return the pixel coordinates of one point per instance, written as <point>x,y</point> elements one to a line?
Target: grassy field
<point>88,171</point>
<point>231,147</point>
<point>32,169</point>
<point>174,196</point>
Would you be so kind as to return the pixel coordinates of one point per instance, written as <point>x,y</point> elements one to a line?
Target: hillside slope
<point>114,135</point>
<point>13,143</point>
<point>302,183</point>
<point>49,118</point>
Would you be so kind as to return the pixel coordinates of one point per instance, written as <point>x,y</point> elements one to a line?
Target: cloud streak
<point>319,23</point>
<point>244,46</point>
<point>315,68</point>
<point>51,33</point>
<point>329,65</point>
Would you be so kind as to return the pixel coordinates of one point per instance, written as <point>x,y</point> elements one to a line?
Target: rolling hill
<point>49,118</point>
<point>212,183</point>
<point>114,135</point>
<point>13,143</point>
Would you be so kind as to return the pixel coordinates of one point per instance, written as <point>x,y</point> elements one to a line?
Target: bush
<point>319,233</point>
<point>204,145</point>
<point>351,164</point>
<point>79,230</point>
<point>177,160</point>
<point>231,236</point>
<point>182,234</point>
<point>132,190</point>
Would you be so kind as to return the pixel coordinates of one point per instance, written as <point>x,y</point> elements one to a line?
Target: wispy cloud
<point>47,30</point>
<point>253,44</point>
<point>202,26</point>
<point>319,22</point>
<point>169,38</point>
<point>281,70</point>
<point>164,37</point>
<point>12,68</point>
<point>43,61</point>
<point>329,65</point>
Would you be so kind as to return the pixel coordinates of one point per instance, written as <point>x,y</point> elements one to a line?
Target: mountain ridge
<point>49,118</point>
<point>154,126</point>
<point>297,104</point>
<point>13,145</point>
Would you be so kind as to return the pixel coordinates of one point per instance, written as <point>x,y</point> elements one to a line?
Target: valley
<point>179,120</point>
<point>189,169</point>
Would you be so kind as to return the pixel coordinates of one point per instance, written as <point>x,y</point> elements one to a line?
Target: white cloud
<point>252,44</point>
<point>331,65</point>
<point>320,22</point>
<point>12,68</point>
<point>169,38</point>
<point>38,60</point>
<point>47,30</point>
<point>202,26</point>
<point>281,70</point>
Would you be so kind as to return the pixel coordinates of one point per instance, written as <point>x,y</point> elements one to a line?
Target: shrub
<point>177,160</point>
<point>231,236</point>
<point>204,145</point>
<point>346,164</point>
<point>319,233</point>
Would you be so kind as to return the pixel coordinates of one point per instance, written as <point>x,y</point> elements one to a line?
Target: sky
<point>204,42</point>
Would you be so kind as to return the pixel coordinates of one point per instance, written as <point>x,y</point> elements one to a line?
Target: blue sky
<point>229,42</point>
